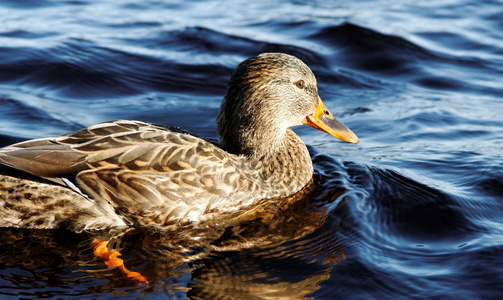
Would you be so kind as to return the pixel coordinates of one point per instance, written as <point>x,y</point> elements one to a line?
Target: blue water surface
<point>415,210</point>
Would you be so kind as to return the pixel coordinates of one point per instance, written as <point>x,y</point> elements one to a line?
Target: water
<point>413,211</point>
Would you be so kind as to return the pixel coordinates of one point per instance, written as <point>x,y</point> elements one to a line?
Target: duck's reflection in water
<point>265,253</point>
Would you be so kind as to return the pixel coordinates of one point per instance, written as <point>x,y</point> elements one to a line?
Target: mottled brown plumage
<point>133,173</point>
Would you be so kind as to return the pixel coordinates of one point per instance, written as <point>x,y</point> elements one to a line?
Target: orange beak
<point>323,120</point>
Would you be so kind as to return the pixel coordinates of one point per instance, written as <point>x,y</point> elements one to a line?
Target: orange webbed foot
<point>112,260</point>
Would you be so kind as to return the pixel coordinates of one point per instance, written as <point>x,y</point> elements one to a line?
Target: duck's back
<point>150,174</point>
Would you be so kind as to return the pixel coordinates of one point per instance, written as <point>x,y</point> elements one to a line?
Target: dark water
<point>415,210</point>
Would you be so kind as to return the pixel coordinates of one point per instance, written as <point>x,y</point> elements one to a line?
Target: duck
<point>126,173</point>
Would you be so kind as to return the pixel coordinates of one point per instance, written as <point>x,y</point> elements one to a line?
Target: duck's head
<point>266,95</point>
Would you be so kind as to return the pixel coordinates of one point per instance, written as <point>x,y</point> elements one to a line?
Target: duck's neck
<point>260,139</point>
<point>283,169</point>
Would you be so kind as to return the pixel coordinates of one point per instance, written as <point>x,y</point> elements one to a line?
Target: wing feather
<point>143,170</point>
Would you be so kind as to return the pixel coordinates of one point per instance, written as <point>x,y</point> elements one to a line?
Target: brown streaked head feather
<point>262,101</point>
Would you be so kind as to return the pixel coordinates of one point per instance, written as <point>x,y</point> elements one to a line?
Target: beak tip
<point>348,136</point>
<point>352,140</point>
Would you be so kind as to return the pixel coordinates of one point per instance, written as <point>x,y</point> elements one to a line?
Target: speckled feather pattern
<point>35,204</point>
<point>134,173</point>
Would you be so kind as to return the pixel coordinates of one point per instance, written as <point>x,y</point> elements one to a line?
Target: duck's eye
<point>300,84</point>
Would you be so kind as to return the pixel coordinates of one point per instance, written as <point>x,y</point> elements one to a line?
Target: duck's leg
<point>111,259</point>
